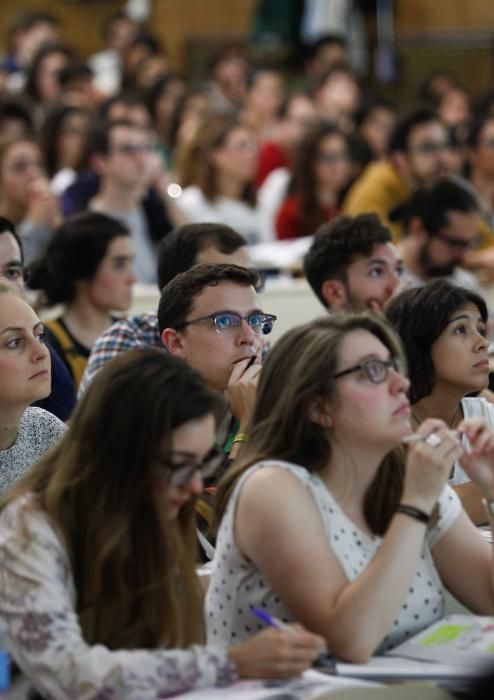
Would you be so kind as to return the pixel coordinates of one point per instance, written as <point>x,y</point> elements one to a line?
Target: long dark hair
<point>134,570</point>
<point>303,180</point>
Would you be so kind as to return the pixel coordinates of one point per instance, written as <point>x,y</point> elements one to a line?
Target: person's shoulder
<point>131,326</point>
<point>42,422</point>
<point>474,406</point>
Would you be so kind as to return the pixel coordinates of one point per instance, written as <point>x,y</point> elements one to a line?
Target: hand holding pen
<point>276,652</point>
<point>323,660</point>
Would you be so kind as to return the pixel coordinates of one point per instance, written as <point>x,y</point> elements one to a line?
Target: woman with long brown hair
<point>318,526</point>
<point>321,171</point>
<point>218,177</point>
<point>97,547</point>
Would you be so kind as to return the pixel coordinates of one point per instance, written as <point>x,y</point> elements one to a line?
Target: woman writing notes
<point>97,548</point>
<point>443,329</point>
<point>317,526</point>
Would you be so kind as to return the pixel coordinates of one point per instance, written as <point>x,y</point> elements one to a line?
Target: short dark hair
<point>337,244</point>
<point>16,108</point>
<point>432,204</point>
<point>178,250</point>
<point>73,253</point>
<point>398,141</point>
<point>6,226</point>
<point>178,296</point>
<point>419,316</point>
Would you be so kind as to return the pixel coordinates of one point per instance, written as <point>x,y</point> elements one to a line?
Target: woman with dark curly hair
<point>444,333</point>
<point>88,268</point>
<point>321,171</point>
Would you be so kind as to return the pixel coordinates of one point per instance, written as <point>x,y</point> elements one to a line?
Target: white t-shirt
<point>237,585</point>
<point>472,407</point>
<point>223,210</point>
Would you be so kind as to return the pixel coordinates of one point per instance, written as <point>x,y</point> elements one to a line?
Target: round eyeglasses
<point>376,371</point>
<point>224,321</point>
<point>179,474</point>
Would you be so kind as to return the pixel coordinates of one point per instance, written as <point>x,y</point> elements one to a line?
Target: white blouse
<point>237,585</point>
<point>38,605</point>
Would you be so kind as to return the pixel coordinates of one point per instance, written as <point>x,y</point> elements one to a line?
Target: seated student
<point>88,266</point>
<point>25,376</point>
<point>353,265</point>
<point>440,225</point>
<point>61,399</point>
<point>443,329</point>
<point>321,171</point>
<point>184,247</point>
<point>317,526</point>
<point>98,588</point>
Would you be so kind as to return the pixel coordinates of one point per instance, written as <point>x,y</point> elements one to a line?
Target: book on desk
<point>458,647</point>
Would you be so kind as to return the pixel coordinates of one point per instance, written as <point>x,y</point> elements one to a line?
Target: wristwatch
<point>489,507</point>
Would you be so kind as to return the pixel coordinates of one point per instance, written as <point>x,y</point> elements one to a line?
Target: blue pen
<point>324,662</point>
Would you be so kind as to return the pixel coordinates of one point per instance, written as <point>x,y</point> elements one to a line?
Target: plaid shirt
<point>125,334</point>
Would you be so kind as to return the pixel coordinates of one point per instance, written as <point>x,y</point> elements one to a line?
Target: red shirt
<point>270,157</point>
<point>290,221</point>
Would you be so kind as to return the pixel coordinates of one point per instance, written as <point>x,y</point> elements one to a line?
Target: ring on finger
<point>433,440</point>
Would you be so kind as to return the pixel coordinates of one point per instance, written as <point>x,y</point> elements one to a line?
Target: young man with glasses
<point>417,156</point>
<point>123,155</point>
<point>441,223</point>
<point>209,316</point>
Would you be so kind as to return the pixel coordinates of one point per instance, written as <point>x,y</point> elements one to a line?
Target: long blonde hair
<point>134,570</point>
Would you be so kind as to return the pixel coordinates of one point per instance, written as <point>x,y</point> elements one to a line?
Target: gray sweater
<point>38,431</point>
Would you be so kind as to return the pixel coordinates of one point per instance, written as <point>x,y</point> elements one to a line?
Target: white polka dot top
<point>237,585</point>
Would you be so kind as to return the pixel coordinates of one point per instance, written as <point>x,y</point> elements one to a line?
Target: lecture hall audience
<point>186,173</point>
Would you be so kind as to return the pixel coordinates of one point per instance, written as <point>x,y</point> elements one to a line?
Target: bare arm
<point>470,496</point>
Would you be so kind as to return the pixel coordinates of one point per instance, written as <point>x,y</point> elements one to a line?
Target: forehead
<point>427,132</point>
<point>119,134</point>
<point>9,249</point>
<point>224,296</point>
<point>359,344</point>
<point>120,245</point>
<point>14,311</point>
<point>382,252</point>
<point>23,149</point>
<point>462,225</point>
<point>468,309</point>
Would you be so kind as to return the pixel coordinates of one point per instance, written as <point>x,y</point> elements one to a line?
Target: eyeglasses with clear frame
<point>376,371</point>
<point>225,321</point>
<point>179,474</point>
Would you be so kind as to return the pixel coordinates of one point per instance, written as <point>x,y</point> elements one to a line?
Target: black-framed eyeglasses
<point>375,370</point>
<point>455,242</point>
<point>332,157</point>
<point>179,474</point>
<point>224,321</point>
